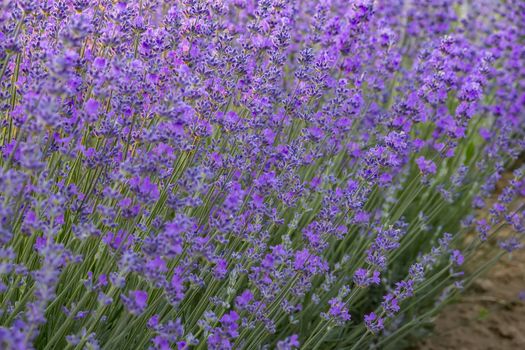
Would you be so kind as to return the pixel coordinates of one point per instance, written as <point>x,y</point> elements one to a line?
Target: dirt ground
<point>491,314</point>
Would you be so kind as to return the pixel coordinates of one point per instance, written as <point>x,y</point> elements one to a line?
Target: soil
<point>490,316</point>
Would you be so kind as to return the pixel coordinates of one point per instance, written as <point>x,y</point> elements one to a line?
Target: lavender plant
<point>242,174</point>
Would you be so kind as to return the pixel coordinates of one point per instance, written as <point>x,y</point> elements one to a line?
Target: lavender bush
<point>243,174</point>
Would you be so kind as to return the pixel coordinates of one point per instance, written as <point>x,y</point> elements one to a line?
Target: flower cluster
<point>230,174</point>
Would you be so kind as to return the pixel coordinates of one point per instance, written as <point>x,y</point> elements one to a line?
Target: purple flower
<point>374,323</point>
<point>390,304</point>
<point>92,107</point>
<point>457,258</point>
<point>289,343</point>
<point>417,272</point>
<point>485,133</point>
<point>136,301</point>
<point>244,299</point>
<point>220,338</point>
<point>306,261</point>
<point>404,289</point>
<point>426,166</point>
<point>470,92</point>
<point>483,228</point>
<point>365,278</point>
<point>99,63</point>
<point>147,190</point>
<point>238,162</point>
<point>338,311</point>
<point>221,268</point>
<point>511,244</point>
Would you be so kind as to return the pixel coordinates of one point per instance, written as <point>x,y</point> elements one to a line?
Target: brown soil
<point>491,313</point>
<point>490,316</point>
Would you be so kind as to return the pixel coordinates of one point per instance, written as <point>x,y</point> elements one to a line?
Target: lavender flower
<point>251,174</point>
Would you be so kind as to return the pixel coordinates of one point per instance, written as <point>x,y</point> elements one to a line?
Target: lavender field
<point>254,174</point>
